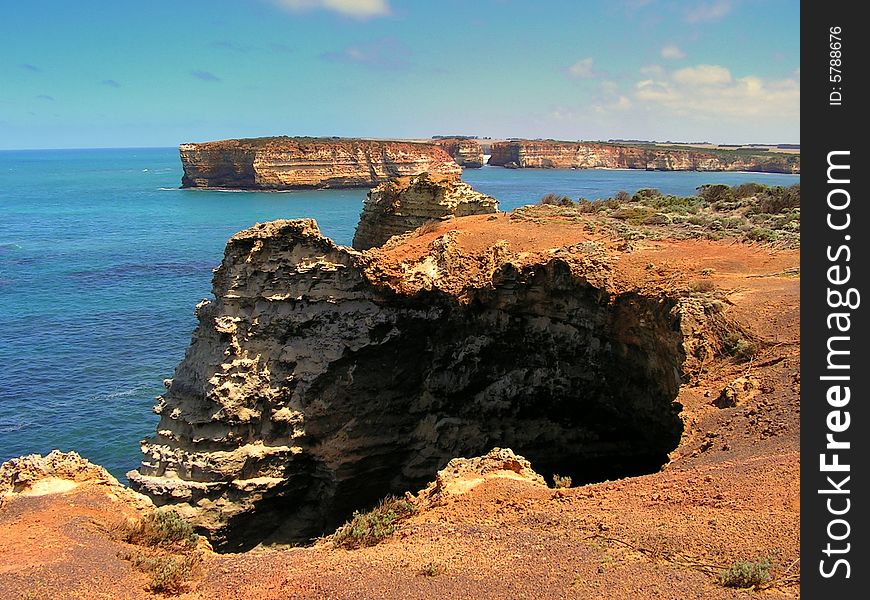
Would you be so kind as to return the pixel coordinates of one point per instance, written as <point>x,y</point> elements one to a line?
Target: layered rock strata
<point>283,163</point>
<point>467,153</point>
<point>318,380</point>
<point>404,204</point>
<point>591,155</point>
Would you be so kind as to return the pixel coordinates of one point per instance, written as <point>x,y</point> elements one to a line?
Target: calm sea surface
<point>102,260</point>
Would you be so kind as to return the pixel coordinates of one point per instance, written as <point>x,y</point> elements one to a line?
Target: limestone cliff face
<point>404,204</point>
<point>585,155</point>
<point>317,381</point>
<point>297,163</point>
<point>466,152</point>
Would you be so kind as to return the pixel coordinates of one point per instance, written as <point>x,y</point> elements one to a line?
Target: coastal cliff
<point>282,163</point>
<point>404,204</point>
<point>466,152</point>
<point>595,155</point>
<point>321,378</point>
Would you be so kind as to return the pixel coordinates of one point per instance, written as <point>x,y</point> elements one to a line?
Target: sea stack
<point>406,203</point>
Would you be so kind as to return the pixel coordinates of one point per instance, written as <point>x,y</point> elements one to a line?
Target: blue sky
<point>92,73</point>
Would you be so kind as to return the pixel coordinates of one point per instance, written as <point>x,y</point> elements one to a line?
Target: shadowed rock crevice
<point>313,388</point>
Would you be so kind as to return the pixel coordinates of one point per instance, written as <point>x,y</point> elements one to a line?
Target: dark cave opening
<point>580,383</point>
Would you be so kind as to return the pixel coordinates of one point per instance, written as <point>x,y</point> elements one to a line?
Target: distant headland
<point>283,163</point>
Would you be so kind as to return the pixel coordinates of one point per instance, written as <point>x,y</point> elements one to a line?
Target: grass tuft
<point>368,529</point>
<point>746,574</point>
<point>161,529</point>
<point>168,572</point>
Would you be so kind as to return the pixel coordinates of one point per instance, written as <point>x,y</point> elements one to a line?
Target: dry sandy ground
<point>731,490</point>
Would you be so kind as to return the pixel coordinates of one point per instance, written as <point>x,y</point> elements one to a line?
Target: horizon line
<point>400,139</point>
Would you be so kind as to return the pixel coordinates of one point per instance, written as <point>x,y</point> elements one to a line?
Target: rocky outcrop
<point>318,381</point>
<point>464,474</point>
<point>593,155</point>
<point>282,163</point>
<point>466,152</point>
<point>57,473</point>
<point>404,204</point>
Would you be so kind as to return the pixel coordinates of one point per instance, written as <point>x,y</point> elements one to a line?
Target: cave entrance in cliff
<point>580,383</point>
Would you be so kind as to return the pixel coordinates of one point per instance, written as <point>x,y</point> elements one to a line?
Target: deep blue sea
<point>102,260</point>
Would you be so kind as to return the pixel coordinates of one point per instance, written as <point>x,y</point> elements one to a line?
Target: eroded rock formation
<point>322,378</point>
<point>404,204</point>
<point>281,163</point>
<point>466,152</point>
<point>590,155</point>
<point>464,474</point>
<point>59,472</point>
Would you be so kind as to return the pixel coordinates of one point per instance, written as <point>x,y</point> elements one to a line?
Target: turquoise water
<point>102,260</point>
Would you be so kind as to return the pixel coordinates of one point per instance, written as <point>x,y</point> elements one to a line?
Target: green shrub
<point>698,220</point>
<point>561,481</point>
<point>168,572</point>
<point>739,347</point>
<point>762,234</point>
<point>556,200</point>
<point>657,219</point>
<point>163,529</point>
<point>367,529</point>
<point>588,206</point>
<point>746,190</point>
<point>746,574</point>
<point>731,222</point>
<point>726,205</point>
<point>779,199</point>
<point>645,194</point>
<point>634,214</point>
<point>674,203</point>
<point>715,192</point>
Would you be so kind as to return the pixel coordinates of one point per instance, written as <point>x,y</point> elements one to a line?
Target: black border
<point>826,128</point>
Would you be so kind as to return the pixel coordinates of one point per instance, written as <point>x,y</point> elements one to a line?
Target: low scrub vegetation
<point>168,573</point>
<point>165,529</point>
<point>751,212</point>
<point>167,551</point>
<point>746,574</point>
<point>367,529</point>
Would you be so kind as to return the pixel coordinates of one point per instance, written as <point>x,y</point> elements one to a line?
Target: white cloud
<point>360,9</point>
<point>582,69</point>
<point>710,91</point>
<point>672,52</point>
<point>702,75</point>
<point>708,11</point>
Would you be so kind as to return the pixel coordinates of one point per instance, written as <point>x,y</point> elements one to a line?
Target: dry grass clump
<point>169,573</point>
<point>167,551</point>
<point>367,529</point>
<point>163,529</point>
<point>746,574</point>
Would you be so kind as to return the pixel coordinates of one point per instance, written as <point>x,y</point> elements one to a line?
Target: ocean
<point>103,258</point>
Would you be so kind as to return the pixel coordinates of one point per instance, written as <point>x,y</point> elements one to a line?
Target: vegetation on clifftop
<point>749,212</point>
